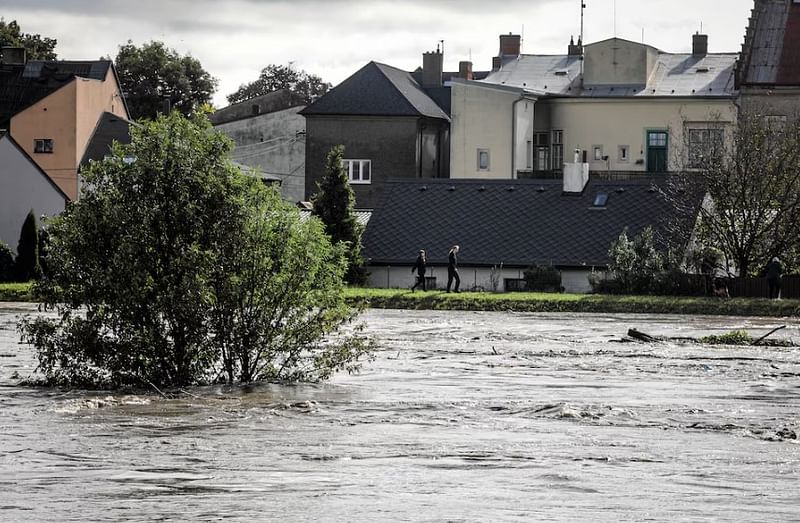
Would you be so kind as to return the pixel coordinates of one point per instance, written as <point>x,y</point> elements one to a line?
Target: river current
<point>460,416</point>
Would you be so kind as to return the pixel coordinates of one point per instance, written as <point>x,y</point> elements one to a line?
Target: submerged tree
<point>334,204</point>
<point>176,269</point>
<point>752,180</point>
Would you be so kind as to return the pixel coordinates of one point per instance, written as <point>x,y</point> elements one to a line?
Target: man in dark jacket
<point>419,266</point>
<point>452,268</point>
<point>774,272</point>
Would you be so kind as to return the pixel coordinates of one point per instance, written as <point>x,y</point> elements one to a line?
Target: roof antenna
<point>615,18</point>
<point>580,42</point>
<point>522,39</point>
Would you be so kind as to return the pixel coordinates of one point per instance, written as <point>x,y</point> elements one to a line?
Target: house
<point>110,128</point>
<point>269,134</point>
<point>52,108</point>
<point>768,74</point>
<point>625,107</point>
<point>391,126</point>
<point>24,186</point>
<point>505,226</point>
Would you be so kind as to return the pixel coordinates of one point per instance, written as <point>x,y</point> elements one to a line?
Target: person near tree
<point>774,272</point>
<point>452,268</point>
<point>419,267</point>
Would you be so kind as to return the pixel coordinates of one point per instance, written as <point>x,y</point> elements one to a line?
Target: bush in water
<point>175,269</point>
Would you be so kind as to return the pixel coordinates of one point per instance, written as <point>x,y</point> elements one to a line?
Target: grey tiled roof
<point>377,90</point>
<point>772,47</point>
<point>110,128</point>
<point>516,222</point>
<point>673,75</point>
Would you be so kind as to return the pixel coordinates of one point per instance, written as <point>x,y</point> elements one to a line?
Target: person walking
<point>452,268</point>
<point>774,272</point>
<point>419,267</point>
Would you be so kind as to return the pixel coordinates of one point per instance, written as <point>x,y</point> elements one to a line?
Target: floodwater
<point>461,416</point>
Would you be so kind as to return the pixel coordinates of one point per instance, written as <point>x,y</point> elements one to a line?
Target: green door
<point>656,151</point>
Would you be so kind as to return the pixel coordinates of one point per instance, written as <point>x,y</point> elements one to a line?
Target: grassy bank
<point>16,292</point>
<point>534,302</point>
<point>542,302</point>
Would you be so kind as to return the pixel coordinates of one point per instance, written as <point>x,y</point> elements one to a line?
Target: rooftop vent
<point>451,188</point>
<point>540,189</point>
<point>620,190</point>
<point>482,188</point>
<point>423,188</point>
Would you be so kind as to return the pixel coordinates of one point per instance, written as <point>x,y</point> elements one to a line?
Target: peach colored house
<point>51,109</point>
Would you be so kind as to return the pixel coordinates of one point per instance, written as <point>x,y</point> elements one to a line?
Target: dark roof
<point>266,103</point>
<point>516,222</point>
<point>110,128</point>
<point>771,51</point>
<point>23,85</point>
<point>377,90</point>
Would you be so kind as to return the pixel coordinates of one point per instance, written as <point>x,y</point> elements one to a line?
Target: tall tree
<point>27,262</point>
<point>36,46</point>
<point>177,269</point>
<point>334,204</point>
<point>752,178</point>
<point>152,74</point>
<point>275,77</point>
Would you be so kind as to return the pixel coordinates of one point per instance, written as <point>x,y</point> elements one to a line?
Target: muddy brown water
<point>461,416</point>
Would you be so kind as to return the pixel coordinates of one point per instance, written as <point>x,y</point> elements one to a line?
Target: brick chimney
<point>510,45</point>
<point>465,70</point>
<point>432,64</point>
<point>12,55</point>
<point>699,44</point>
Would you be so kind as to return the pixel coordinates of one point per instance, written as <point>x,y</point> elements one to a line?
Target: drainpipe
<point>522,97</point>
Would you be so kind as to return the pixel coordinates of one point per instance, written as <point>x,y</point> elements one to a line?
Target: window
<point>704,144</point>
<point>624,153</point>
<point>483,159</point>
<point>600,199</point>
<point>541,151</point>
<point>358,171</point>
<point>529,155</point>
<point>558,150</point>
<point>43,145</point>
<point>597,153</point>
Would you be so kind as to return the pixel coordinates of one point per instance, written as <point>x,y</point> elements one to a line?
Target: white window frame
<point>597,153</point>
<point>488,166</point>
<point>557,144</point>
<point>43,145</point>
<point>349,166</point>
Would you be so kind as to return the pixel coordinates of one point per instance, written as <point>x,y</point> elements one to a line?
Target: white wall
<point>482,118</point>
<point>611,123</point>
<point>574,281</point>
<point>23,187</point>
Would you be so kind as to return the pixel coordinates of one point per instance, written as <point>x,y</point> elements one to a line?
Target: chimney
<point>576,175</point>
<point>575,50</point>
<point>12,55</point>
<point>465,70</point>
<point>699,44</point>
<point>510,45</point>
<point>432,64</point>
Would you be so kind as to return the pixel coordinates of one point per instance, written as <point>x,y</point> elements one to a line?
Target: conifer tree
<point>334,204</point>
<point>27,262</point>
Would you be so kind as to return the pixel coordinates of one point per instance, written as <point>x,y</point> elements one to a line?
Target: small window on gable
<point>358,171</point>
<point>483,159</point>
<point>624,153</point>
<point>600,199</point>
<point>597,152</point>
<point>43,145</point>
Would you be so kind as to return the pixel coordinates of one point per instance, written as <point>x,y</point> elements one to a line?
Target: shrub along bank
<point>533,302</point>
<point>590,303</point>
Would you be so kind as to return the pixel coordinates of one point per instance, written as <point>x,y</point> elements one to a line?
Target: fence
<point>758,287</point>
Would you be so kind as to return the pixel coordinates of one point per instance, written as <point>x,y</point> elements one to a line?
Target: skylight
<point>600,199</point>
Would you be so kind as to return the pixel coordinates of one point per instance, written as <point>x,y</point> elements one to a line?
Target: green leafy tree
<point>636,263</point>
<point>27,263</point>
<point>752,179</point>
<point>275,77</point>
<point>6,263</point>
<point>176,269</point>
<point>36,46</point>
<point>151,74</point>
<point>334,204</point>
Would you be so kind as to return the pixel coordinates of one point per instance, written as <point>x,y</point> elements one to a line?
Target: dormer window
<point>43,145</point>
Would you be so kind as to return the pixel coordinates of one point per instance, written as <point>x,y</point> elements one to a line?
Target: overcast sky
<point>235,39</point>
